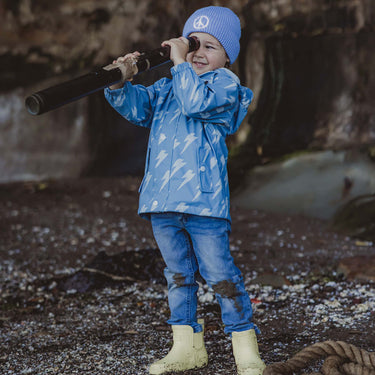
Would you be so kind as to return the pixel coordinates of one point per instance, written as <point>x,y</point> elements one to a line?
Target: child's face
<point>210,55</point>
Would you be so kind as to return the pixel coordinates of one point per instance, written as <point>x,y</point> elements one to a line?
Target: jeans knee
<point>231,291</point>
<point>179,279</point>
<point>229,287</point>
<point>226,289</point>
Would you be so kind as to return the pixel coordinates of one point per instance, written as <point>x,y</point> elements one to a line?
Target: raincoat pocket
<point>204,171</point>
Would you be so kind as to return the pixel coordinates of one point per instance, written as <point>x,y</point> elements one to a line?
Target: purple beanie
<point>220,22</point>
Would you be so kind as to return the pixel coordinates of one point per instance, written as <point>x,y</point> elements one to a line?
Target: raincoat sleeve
<point>217,100</point>
<point>135,103</point>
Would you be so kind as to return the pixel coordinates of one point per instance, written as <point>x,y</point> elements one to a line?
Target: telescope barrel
<point>69,91</point>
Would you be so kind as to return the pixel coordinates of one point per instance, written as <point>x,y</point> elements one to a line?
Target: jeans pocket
<point>204,170</point>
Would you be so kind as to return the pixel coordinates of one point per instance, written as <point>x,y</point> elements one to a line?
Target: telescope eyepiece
<point>193,43</point>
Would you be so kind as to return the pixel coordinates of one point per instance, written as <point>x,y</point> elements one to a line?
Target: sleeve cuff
<point>180,68</point>
<point>109,92</point>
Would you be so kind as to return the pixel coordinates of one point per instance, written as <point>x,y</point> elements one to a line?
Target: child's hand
<point>128,67</point>
<point>179,49</point>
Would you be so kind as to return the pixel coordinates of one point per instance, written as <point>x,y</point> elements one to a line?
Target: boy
<point>185,190</point>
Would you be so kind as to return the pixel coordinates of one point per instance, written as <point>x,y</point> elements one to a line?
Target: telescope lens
<point>34,104</point>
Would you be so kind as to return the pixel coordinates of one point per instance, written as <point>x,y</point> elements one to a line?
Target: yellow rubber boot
<point>246,353</point>
<point>188,352</point>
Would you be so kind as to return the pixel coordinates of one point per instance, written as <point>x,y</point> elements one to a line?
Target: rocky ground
<point>82,288</point>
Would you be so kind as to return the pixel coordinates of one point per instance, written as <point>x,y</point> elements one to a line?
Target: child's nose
<point>199,51</point>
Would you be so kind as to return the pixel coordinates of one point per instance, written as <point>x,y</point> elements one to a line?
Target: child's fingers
<point>175,41</point>
<point>184,40</point>
<point>132,56</point>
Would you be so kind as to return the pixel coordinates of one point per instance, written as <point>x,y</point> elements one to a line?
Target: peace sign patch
<point>201,22</point>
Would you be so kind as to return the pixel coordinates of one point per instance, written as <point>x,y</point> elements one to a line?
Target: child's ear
<point>227,61</point>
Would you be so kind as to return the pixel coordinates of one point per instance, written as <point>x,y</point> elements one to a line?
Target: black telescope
<point>69,91</point>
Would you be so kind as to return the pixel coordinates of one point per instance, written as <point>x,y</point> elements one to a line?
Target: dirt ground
<point>82,288</point>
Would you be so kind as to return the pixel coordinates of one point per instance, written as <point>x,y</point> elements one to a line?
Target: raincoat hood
<point>245,96</point>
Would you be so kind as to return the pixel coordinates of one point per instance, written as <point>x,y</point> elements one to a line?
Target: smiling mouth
<point>199,63</point>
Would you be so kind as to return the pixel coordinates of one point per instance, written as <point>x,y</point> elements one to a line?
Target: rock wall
<point>318,78</point>
<point>33,148</point>
<point>44,43</point>
<point>316,95</point>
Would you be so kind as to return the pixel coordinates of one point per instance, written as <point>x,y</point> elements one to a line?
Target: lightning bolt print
<point>162,138</point>
<point>198,193</point>
<point>177,165</point>
<point>233,84</point>
<point>119,100</point>
<point>184,81</point>
<point>206,212</point>
<point>188,176</point>
<point>218,190</point>
<point>188,141</point>
<point>222,161</point>
<point>165,180</point>
<point>176,113</point>
<point>147,180</point>
<point>246,102</point>
<point>160,100</point>
<point>231,99</point>
<point>194,97</point>
<point>223,207</point>
<point>207,149</point>
<point>213,162</point>
<point>226,181</point>
<point>182,207</point>
<point>216,135</point>
<point>162,155</point>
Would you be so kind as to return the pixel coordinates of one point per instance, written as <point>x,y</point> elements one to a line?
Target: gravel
<point>52,231</point>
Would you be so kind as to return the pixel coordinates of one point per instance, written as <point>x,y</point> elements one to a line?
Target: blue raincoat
<point>189,117</point>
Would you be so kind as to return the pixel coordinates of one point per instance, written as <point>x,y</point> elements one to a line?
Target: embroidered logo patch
<point>201,22</point>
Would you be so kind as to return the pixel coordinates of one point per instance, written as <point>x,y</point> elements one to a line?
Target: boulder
<point>313,184</point>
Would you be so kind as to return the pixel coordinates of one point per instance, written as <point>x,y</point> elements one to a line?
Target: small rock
<point>361,267</point>
<point>274,280</point>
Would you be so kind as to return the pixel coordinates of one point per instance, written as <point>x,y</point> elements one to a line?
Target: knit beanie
<point>220,22</point>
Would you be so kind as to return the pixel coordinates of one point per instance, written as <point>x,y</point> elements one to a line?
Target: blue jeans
<point>189,243</point>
